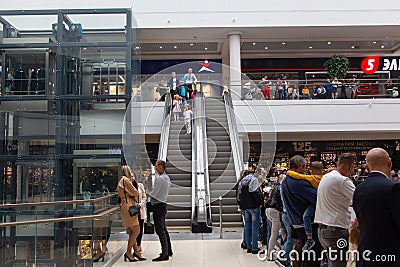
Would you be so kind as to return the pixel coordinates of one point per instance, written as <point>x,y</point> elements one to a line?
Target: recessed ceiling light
<point>329,43</point>
<point>191,44</point>
<point>254,43</point>
<point>175,47</point>
<point>283,43</point>
<point>205,48</point>
<point>266,47</point>
<point>374,42</point>
<point>160,47</point>
<point>310,47</point>
<point>382,46</point>
<point>353,47</point>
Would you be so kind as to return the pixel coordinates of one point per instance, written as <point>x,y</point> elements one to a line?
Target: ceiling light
<point>310,47</point>
<point>191,44</point>
<point>329,43</point>
<point>382,46</point>
<point>160,47</point>
<point>84,48</point>
<point>205,48</point>
<point>352,47</point>
<point>175,47</point>
<point>374,42</point>
<point>254,43</point>
<point>283,43</point>
<point>266,47</point>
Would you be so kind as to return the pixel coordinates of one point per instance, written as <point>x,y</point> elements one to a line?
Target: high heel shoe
<point>101,257</point>
<point>139,258</point>
<point>126,258</point>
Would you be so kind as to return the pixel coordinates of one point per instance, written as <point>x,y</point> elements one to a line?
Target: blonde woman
<point>128,194</point>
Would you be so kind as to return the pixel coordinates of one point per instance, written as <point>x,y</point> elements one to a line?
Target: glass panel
<point>25,73</point>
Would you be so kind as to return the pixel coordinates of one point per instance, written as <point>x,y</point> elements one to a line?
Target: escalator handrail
<point>194,214</point>
<point>203,154</point>
<point>233,134</point>
<point>166,123</point>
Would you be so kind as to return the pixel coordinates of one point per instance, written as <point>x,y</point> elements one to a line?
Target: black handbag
<point>148,228</point>
<point>134,210</point>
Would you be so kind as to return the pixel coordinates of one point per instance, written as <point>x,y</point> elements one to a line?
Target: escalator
<point>176,150</point>
<point>179,169</point>
<point>223,173</point>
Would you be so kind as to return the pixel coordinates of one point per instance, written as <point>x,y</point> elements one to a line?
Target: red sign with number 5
<point>370,64</point>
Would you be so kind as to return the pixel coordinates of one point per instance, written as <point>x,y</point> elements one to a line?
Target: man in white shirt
<point>189,79</point>
<point>334,198</point>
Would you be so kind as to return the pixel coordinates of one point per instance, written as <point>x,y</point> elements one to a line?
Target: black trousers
<point>159,212</point>
<point>139,238</point>
<point>301,235</point>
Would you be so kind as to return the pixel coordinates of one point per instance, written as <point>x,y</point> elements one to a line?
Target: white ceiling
<point>299,41</point>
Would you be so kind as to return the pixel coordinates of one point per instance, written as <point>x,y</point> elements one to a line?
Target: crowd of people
<point>311,213</point>
<point>282,89</point>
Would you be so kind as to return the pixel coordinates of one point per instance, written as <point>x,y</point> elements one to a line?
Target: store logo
<point>205,66</point>
<point>370,65</point>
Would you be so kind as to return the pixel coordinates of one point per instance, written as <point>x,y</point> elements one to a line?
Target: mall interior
<point>84,89</point>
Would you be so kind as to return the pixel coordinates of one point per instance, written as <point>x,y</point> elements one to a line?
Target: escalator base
<point>201,227</point>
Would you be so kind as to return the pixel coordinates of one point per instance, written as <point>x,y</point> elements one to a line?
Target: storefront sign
<point>371,64</point>
<point>332,146</point>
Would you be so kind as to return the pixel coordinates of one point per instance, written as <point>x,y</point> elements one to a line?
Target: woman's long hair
<point>126,171</point>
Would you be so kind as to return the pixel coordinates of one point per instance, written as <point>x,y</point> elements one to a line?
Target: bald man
<point>376,202</point>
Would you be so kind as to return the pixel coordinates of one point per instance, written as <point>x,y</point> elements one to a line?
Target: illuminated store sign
<point>371,64</point>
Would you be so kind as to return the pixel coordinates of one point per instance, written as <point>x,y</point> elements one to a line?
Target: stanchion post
<point>220,216</point>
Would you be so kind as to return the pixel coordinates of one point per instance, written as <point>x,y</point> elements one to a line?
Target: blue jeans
<point>244,232</point>
<point>289,243</point>
<point>251,224</point>
<point>307,216</point>
<point>266,229</point>
<point>281,94</point>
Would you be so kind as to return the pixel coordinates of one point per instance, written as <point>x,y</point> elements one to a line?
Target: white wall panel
<point>321,115</point>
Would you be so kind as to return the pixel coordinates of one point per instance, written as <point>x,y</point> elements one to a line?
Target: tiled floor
<point>199,253</point>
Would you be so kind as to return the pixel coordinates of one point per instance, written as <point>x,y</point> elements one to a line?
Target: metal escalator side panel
<point>164,137</point>
<point>233,133</point>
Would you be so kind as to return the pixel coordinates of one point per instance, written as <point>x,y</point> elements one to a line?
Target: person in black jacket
<point>173,84</point>
<point>274,215</point>
<point>250,203</point>
<point>242,175</point>
<point>376,203</point>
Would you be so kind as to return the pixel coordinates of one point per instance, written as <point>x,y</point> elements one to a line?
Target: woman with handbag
<point>129,212</point>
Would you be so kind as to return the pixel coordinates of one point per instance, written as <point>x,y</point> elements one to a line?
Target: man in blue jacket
<point>250,204</point>
<point>297,195</point>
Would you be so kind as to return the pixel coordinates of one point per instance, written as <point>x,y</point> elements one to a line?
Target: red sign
<point>370,65</point>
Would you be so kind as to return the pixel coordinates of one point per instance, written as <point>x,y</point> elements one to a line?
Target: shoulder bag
<point>134,209</point>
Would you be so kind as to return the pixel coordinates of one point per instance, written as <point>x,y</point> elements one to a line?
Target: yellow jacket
<point>313,179</point>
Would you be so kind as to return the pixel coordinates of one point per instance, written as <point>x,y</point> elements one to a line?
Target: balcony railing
<point>61,233</point>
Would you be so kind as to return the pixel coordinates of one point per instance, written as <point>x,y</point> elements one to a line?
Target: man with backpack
<point>250,204</point>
